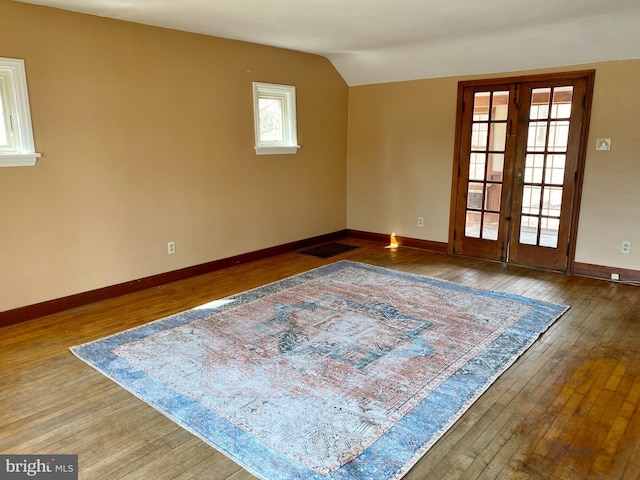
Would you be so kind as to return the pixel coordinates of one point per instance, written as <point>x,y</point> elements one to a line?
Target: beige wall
<point>147,137</point>
<point>401,138</point>
<point>611,197</point>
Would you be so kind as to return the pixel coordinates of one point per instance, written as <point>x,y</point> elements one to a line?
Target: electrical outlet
<point>603,144</point>
<point>615,276</point>
<point>421,221</point>
<point>626,247</point>
<point>171,248</point>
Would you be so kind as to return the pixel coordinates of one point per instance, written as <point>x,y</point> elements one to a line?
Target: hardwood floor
<point>569,408</point>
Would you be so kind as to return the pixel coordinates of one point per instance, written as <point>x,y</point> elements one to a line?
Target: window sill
<point>18,159</point>
<point>277,150</point>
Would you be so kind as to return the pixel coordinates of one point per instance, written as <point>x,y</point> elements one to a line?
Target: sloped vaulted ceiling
<point>377,41</point>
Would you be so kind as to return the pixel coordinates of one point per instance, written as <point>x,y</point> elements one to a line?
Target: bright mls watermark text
<point>49,467</point>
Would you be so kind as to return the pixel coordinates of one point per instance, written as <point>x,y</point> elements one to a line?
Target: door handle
<point>519,180</point>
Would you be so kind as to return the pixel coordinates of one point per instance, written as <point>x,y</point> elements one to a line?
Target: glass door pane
<point>545,158</point>
<point>486,164</point>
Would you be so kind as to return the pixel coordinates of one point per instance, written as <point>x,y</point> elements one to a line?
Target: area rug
<point>348,371</point>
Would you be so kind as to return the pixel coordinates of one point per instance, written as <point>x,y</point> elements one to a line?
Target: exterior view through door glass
<point>519,165</point>
<point>486,164</point>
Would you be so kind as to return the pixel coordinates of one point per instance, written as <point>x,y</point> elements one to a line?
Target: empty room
<point>319,240</point>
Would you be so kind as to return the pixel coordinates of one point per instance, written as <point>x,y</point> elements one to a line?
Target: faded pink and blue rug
<point>348,371</point>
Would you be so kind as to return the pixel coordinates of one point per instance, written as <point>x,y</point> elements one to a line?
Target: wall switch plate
<point>603,144</point>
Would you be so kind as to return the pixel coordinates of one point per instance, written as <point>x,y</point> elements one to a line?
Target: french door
<point>519,163</point>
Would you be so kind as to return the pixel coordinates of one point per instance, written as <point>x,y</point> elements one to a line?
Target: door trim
<point>589,77</point>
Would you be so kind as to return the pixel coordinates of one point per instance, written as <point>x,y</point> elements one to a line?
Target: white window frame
<point>15,99</point>
<point>287,95</point>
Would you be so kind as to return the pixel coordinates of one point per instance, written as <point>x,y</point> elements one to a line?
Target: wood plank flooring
<point>567,409</point>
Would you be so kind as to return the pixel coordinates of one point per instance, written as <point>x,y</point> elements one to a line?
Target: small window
<point>16,134</point>
<point>274,110</point>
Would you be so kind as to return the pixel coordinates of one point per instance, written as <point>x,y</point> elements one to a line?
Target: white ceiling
<point>377,41</point>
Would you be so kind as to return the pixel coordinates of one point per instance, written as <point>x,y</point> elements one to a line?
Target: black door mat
<point>328,250</point>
